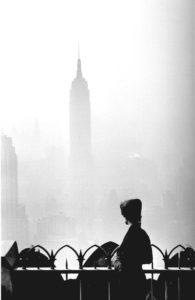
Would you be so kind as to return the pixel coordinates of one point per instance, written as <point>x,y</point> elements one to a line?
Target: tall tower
<point>9,177</point>
<point>80,118</point>
<point>13,217</point>
<point>81,170</point>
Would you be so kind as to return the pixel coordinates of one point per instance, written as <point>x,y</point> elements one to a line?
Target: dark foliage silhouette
<point>29,285</point>
<point>174,283</point>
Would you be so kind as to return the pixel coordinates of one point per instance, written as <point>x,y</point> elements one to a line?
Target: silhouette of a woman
<point>134,251</point>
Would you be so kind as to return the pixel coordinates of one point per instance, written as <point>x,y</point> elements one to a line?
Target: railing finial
<point>80,259</point>
<point>52,260</point>
<point>166,259</point>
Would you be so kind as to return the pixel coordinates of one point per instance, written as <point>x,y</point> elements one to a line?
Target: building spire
<point>78,50</point>
<point>79,72</point>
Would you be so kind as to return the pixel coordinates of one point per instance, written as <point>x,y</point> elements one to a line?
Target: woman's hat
<point>131,209</point>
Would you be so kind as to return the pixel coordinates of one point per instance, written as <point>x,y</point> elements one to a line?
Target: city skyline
<point>140,72</point>
<point>80,187</point>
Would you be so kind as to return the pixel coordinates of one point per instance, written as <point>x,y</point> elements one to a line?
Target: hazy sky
<point>137,57</point>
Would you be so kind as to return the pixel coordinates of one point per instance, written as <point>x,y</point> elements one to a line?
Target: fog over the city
<point>137,57</point>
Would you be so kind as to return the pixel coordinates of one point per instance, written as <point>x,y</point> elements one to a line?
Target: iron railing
<point>171,286</point>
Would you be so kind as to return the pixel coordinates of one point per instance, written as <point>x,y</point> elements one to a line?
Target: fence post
<point>152,291</point>
<point>108,289</point>
<point>80,290</point>
<point>66,267</point>
<point>178,278</point>
<point>52,260</point>
<point>166,260</point>
<point>80,259</point>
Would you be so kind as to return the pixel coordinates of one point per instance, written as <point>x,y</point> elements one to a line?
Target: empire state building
<point>81,169</point>
<point>80,119</point>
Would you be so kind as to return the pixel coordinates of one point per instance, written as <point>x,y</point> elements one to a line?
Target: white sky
<point>136,56</point>
<point>131,51</point>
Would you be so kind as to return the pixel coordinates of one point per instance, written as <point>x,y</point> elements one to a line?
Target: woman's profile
<point>134,251</point>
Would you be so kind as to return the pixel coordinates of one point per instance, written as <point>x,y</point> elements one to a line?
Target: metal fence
<point>175,280</point>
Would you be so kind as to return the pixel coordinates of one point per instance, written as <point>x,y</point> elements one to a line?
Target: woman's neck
<point>136,224</point>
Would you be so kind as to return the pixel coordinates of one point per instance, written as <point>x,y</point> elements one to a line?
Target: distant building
<point>80,180</point>
<point>80,118</point>
<point>55,227</point>
<point>9,176</point>
<point>14,220</point>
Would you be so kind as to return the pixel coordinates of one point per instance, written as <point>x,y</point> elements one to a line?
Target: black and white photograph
<point>97,123</point>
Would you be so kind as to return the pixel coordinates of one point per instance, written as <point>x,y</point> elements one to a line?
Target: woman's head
<point>131,210</point>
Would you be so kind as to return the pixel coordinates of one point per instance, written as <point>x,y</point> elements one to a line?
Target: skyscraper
<point>14,220</point>
<point>80,118</point>
<point>80,181</point>
<point>9,177</point>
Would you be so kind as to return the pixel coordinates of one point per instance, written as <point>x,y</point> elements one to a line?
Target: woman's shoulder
<point>144,234</point>
<point>138,230</point>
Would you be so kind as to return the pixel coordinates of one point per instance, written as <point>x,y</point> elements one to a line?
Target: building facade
<point>14,220</point>
<point>80,118</point>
